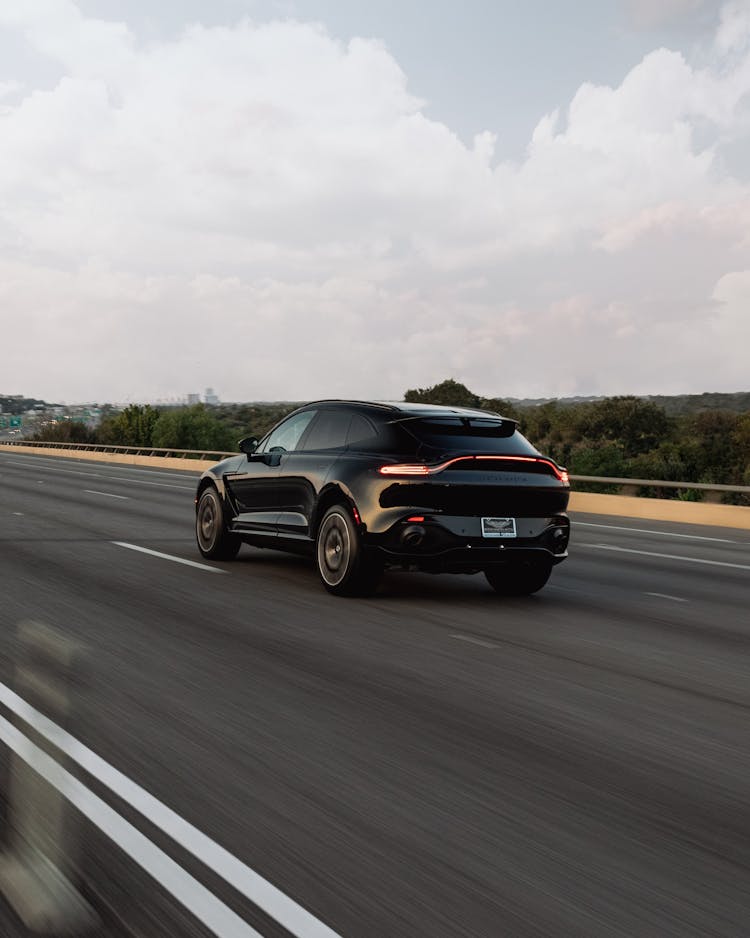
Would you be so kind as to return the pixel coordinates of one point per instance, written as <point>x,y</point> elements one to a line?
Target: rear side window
<point>329,430</point>
<point>366,436</point>
<point>361,432</point>
<point>473,434</point>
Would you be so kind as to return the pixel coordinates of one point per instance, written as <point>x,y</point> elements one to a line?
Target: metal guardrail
<point>664,484</point>
<point>200,454</point>
<point>125,450</point>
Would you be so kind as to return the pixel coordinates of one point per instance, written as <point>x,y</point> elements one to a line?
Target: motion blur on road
<point>435,761</point>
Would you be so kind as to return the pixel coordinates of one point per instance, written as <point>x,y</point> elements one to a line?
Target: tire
<point>343,565</point>
<point>521,578</point>
<point>214,541</point>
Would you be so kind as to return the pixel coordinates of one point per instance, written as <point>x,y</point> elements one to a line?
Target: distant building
<point>211,397</point>
<point>193,399</point>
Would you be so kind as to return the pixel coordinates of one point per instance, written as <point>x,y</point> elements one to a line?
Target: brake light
<point>419,469</point>
<point>408,469</point>
<point>416,519</point>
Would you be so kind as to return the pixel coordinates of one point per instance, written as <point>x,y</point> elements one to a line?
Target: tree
<point>603,460</point>
<point>666,461</point>
<point>500,406</point>
<point>192,428</point>
<point>741,441</point>
<point>633,423</point>
<point>65,431</point>
<point>714,440</point>
<point>450,393</point>
<point>134,426</point>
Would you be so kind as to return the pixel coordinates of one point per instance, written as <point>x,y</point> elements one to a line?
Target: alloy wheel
<point>334,549</point>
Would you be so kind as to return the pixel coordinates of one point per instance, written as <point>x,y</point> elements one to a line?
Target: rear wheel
<point>520,578</point>
<point>344,566</point>
<point>214,540</point>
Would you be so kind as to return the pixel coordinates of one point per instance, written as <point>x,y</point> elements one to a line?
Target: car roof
<point>409,408</point>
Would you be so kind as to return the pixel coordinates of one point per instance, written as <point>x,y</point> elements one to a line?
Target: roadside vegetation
<point>628,437</point>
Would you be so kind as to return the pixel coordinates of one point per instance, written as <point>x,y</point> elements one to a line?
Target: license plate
<point>498,527</point>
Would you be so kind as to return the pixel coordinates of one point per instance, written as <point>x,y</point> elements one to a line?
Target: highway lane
<point>433,761</point>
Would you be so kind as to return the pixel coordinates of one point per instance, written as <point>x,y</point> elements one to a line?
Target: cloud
<point>267,209</point>
<point>651,14</point>
<point>731,321</point>
<point>733,34</point>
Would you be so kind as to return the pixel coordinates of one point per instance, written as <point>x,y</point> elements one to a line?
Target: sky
<point>297,199</point>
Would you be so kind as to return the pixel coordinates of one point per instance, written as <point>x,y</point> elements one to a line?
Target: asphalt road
<point>434,761</point>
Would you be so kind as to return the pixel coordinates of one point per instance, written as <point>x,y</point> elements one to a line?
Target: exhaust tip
<point>412,536</point>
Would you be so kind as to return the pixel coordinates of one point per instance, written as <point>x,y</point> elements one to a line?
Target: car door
<point>303,473</point>
<point>254,488</point>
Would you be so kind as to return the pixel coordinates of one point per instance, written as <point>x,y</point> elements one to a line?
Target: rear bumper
<point>443,543</point>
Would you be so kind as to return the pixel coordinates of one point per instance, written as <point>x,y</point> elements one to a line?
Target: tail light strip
<point>420,469</point>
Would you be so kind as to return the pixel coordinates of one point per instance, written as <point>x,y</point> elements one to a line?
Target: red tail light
<point>407,469</point>
<point>420,469</point>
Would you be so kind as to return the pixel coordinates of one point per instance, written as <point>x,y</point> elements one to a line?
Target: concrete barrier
<point>661,509</point>
<point>122,459</point>
<point>38,872</point>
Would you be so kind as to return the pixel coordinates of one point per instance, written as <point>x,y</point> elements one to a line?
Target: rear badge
<point>498,527</point>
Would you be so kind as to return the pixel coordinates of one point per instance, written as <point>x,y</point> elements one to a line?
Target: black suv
<point>363,486</point>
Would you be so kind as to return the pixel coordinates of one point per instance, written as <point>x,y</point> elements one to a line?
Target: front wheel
<point>214,540</point>
<point>520,578</point>
<point>343,564</point>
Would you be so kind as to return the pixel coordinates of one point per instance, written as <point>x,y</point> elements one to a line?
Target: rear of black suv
<point>464,491</point>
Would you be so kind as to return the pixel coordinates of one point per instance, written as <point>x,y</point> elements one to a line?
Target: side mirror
<point>248,445</point>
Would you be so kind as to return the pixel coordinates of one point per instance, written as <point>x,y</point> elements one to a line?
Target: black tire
<point>520,578</point>
<point>214,541</point>
<point>343,565</point>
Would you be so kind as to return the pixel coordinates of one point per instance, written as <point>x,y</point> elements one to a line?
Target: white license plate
<point>498,527</point>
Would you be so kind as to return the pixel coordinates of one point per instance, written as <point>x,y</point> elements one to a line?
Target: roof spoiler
<point>507,424</point>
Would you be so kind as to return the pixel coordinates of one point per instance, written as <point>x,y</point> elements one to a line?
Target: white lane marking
<point>204,905</point>
<point>164,485</point>
<point>676,599</point>
<point>474,641</point>
<point>19,513</point>
<point>647,553</point>
<point>245,880</point>
<point>108,494</point>
<point>617,527</point>
<point>101,475</point>
<point>157,553</point>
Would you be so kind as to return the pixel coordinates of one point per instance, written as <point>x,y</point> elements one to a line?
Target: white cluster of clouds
<point>266,209</point>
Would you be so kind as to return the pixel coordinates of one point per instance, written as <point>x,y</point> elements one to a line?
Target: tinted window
<point>287,435</point>
<point>329,430</point>
<point>475,434</point>
<point>361,432</point>
<point>367,436</point>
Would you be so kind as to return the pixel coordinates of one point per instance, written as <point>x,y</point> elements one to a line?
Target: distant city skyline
<point>319,198</point>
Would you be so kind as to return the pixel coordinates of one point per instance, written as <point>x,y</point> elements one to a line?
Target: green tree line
<point>198,427</point>
<point>626,436</point>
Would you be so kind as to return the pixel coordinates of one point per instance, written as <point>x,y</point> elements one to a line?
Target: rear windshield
<point>469,434</point>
